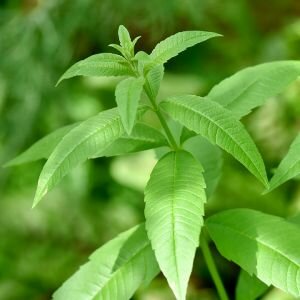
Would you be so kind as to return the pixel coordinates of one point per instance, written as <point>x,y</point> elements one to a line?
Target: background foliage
<point>40,248</point>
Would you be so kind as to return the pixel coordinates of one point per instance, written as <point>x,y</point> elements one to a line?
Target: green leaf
<point>251,87</point>
<point>289,166</point>
<point>174,44</point>
<point>42,148</point>
<point>174,211</point>
<point>154,78</point>
<point>216,123</point>
<point>104,64</point>
<point>79,144</point>
<point>128,94</point>
<point>249,287</point>
<point>143,137</point>
<point>124,37</point>
<point>261,244</point>
<point>114,271</point>
<point>186,134</point>
<point>210,158</point>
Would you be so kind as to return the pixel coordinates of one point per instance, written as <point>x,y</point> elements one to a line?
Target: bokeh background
<point>40,248</point>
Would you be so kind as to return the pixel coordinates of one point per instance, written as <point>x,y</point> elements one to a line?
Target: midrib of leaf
<point>173,223</point>
<point>124,265</point>
<point>239,95</point>
<point>220,128</point>
<point>45,183</point>
<point>162,53</point>
<point>269,247</point>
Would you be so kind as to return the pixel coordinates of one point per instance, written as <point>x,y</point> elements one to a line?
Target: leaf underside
<point>220,127</point>
<point>114,271</point>
<point>261,244</point>
<point>103,64</point>
<point>251,87</point>
<point>210,157</point>
<point>174,210</point>
<point>79,144</point>
<point>143,137</point>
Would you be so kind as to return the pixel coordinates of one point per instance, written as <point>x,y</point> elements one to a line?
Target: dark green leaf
<point>210,158</point>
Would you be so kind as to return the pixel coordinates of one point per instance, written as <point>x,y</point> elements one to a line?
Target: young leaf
<point>251,87</point>
<point>177,43</point>
<point>249,287</point>
<point>143,137</point>
<point>115,271</point>
<point>261,244</point>
<point>210,157</point>
<point>42,148</point>
<point>128,94</point>
<point>79,144</point>
<point>104,64</point>
<point>124,37</point>
<point>174,212</point>
<point>216,123</point>
<point>289,166</point>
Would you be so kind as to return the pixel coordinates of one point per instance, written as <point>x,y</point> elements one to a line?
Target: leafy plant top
<point>265,247</point>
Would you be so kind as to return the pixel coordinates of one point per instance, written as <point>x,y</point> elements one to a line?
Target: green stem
<point>160,117</point>
<point>212,267</point>
<point>155,107</point>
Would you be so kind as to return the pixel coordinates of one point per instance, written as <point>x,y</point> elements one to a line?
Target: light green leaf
<point>128,94</point>
<point>249,287</point>
<point>104,64</point>
<point>42,148</point>
<point>289,166</point>
<point>114,271</point>
<point>154,78</point>
<point>79,144</point>
<point>210,157</point>
<point>174,44</point>
<point>216,123</point>
<point>143,137</point>
<point>251,87</point>
<point>124,37</point>
<point>261,244</point>
<point>174,212</point>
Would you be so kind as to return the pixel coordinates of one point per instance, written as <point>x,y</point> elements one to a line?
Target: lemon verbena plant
<point>266,247</point>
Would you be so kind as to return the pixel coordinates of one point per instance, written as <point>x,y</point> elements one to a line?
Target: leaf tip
<point>59,80</point>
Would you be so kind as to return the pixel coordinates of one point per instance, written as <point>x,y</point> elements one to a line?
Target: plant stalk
<point>212,267</point>
<point>160,117</point>
<point>155,107</point>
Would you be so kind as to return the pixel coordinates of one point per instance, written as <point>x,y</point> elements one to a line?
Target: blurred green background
<point>40,248</point>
